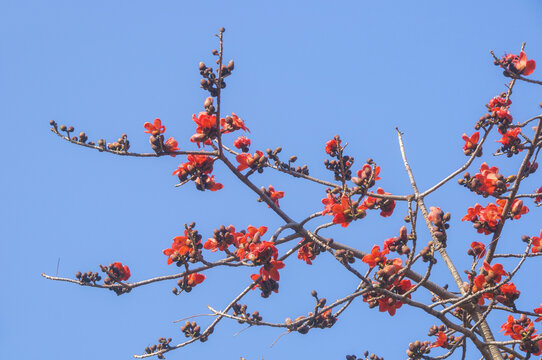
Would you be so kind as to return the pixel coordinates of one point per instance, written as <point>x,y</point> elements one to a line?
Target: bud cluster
<point>366,356</point>
<point>399,243</point>
<point>163,344</point>
<point>345,256</point>
<point>191,329</point>
<point>210,78</point>
<point>267,287</point>
<point>427,253</point>
<point>440,223</point>
<point>273,155</point>
<point>417,349</point>
<point>88,277</point>
<point>122,144</point>
<point>241,311</point>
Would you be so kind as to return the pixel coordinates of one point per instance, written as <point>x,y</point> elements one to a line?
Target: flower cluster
<point>255,162</point>
<point>309,251</point>
<point>185,248</point>
<point>156,129</point>
<point>537,243</point>
<point>487,182</point>
<point>517,65</point>
<point>498,113</point>
<point>198,168</point>
<point>386,206</point>
<point>440,222</point>
<point>345,211</point>
<point>486,219</point>
<point>386,303</point>
<point>367,176</point>
<point>443,340</point>
<point>186,283</point>
<point>490,275</point>
<point>242,143</point>
<point>511,143</point>
<point>398,243</point>
<point>523,329</point>
<point>341,166</point>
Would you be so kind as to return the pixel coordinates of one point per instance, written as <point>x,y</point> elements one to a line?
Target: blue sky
<point>305,71</point>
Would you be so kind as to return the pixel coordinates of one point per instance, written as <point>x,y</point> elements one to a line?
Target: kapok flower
<point>242,143</point>
<point>538,311</point>
<point>271,270</point>
<point>156,128</point>
<point>232,123</point>
<point>170,146</point>
<point>510,138</point>
<point>332,147</point>
<point>386,206</point>
<point>206,130</point>
<point>508,294</point>
<point>305,253</point>
<point>442,340</point>
<point>537,243</point>
<point>119,272</point>
<point>494,272</point>
<point>538,199</point>
<point>195,279</point>
<point>376,257</point>
<point>366,176</point>
<point>274,195</point>
<point>247,160</point>
<point>470,143</point>
<point>345,212</point>
<point>477,249</point>
<point>522,65</point>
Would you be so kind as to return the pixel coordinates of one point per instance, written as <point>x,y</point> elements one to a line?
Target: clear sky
<point>305,71</point>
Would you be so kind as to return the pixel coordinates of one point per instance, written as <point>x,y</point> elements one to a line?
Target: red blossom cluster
<point>487,182</point>
<point>198,168</point>
<point>511,143</point>
<point>156,129</point>
<point>523,329</point>
<point>185,248</point>
<point>486,219</point>
<point>518,65</point>
<point>386,303</point>
<point>491,275</point>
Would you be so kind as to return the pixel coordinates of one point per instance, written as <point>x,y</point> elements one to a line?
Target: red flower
<point>522,65</point>
<point>171,145</point>
<point>242,241</point>
<point>537,243</point>
<point>305,253</point>
<point>248,161</point>
<point>206,130</point>
<point>262,252</point>
<point>488,178</point>
<point>498,102</point>
<point>386,206</point>
<point>232,123</point>
<point>181,246</point>
<point>538,311</point>
<point>155,128</point>
<point>343,212</point>
<point>442,340</point>
<point>271,270</point>
<point>494,272</point>
<point>329,201</point>
<point>491,214</point>
<point>477,249</point>
<point>376,257</point>
<point>332,147</point>
<point>538,199</point>
<point>242,143</point>
<point>516,210</point>
<point>274,195</point>
<point>201,164</point>
<point>195,279</point>
<point>119,272</point>
<point>470,142</point>
<point>208,182</point>
<point>366,177</point>
<point>508,294</point>
<point>510,138</point>
<point>473,213</point>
